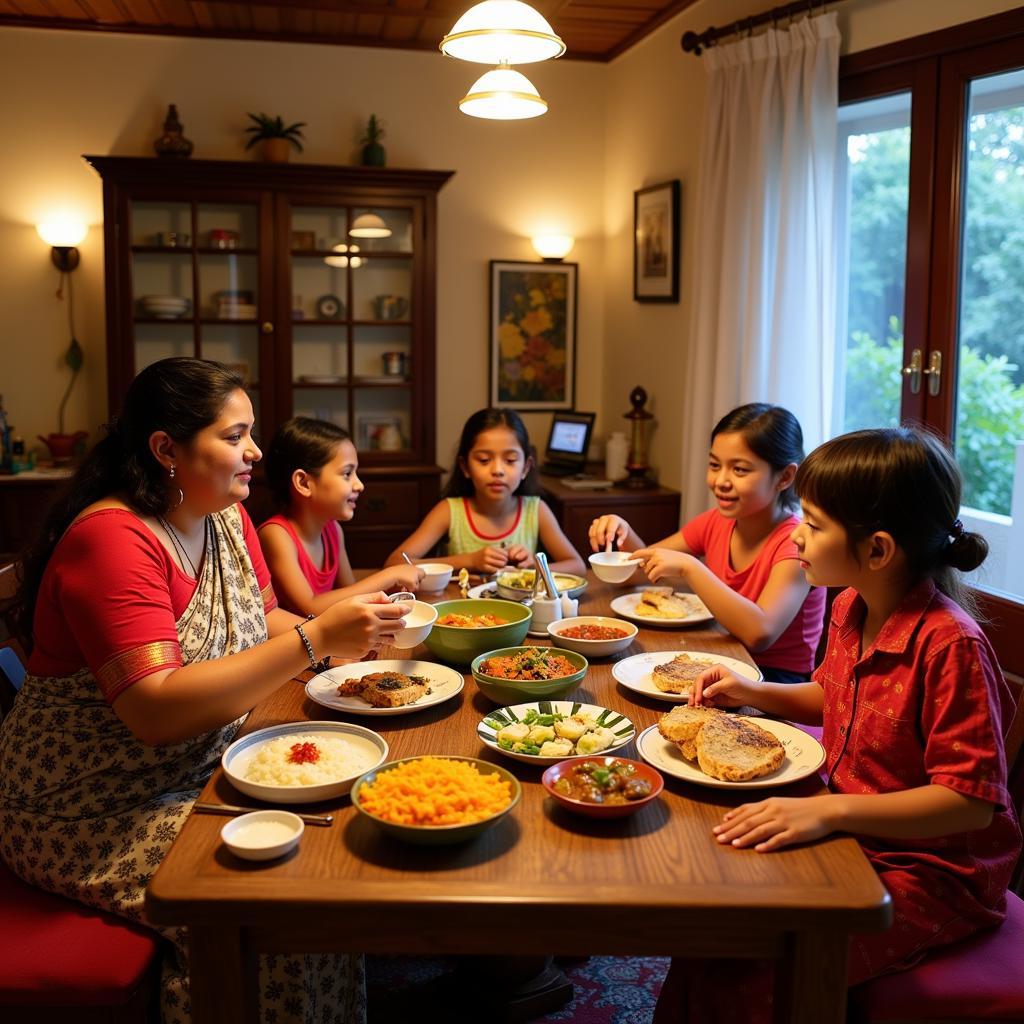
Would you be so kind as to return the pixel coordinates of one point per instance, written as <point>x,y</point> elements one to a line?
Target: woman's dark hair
<point>459,485</point>
<point>181,396</point>
<point>300,443</point>
<point>905,482</point>
<point>771,433</point>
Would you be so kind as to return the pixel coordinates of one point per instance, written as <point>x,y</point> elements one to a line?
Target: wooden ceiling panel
<point>592,29</point>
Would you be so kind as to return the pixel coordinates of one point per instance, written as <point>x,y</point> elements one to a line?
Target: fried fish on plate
<point>386,689</point>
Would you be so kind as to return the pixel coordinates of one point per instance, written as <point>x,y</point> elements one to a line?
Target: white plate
<point>320,378</point>
<point>635,673</point>
<point>235,760</point>
<point>625,605</point>
<point>445,683</point>
<point>804,756</point>
<point>490,589</point>
<point>614,720</point>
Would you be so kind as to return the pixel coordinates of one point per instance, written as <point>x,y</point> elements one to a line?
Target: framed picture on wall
<point>533,335</point>
<point>656,243</point>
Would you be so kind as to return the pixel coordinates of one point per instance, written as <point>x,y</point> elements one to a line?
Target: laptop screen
<point>569,439</point>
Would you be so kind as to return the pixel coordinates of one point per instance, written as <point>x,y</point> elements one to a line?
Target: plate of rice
<point>433,801</point>
<point>302,762</point>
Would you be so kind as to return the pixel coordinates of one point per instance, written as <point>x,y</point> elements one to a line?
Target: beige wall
<point>611,129</point>
<point>92,93</point>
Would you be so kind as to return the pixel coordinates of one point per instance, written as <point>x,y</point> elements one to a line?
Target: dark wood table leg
<point>810,985</point>
<point>222,978</point>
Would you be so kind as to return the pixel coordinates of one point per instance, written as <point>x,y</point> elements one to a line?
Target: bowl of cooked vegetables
<point>596,636</point>
<point>433,801</point>
<point>514,674</point>
<point>516,584</point>
<point>463,629</point>
<point>603,786</point>
<point>545,732</point>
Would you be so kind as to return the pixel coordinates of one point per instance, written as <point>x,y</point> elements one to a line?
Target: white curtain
<point>762,324</point>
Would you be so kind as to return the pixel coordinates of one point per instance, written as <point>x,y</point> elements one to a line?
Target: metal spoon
<point>408,559</point>
<point>233,811</point>
<point>402,595</point>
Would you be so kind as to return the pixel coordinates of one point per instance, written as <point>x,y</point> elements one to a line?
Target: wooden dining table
<point>541,881</point>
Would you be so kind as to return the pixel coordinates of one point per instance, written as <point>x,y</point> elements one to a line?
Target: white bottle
<point>616,452</point>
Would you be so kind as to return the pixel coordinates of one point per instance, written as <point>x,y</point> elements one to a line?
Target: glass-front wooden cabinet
<point>317,283</point>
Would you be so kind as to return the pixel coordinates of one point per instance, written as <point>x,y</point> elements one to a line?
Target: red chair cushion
<point>981,978</point>
<point>55,952</point>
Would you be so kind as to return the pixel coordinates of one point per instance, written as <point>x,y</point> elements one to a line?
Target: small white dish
<point>418,624</point>
<point>626,605</point>
<point>435,576</point>
<point>635,673</point>
<point>592,648</point>
<point>804,756</point>
<point>445,683</point>
<point>613,566</point>
<point>263,835</point>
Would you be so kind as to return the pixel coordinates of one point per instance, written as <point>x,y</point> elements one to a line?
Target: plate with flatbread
<point>668,675</point>
<point>661,606</point>
<point>742,752</point>
<point>396,687</point>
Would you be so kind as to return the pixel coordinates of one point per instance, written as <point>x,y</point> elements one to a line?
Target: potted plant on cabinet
<point>276,136</point>
<point>373,151</point>
<point>62,446</point>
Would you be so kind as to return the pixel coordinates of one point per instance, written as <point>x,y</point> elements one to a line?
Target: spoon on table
<point>408,559</point>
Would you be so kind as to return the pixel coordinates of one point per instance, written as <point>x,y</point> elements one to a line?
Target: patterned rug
<point>606,990</point>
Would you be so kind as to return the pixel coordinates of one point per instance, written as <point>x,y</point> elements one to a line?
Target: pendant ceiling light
<point>502,32</point>
<point>369,225</point>
<point>503,95</point>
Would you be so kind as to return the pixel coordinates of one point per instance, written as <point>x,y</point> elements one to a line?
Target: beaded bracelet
<point>313,663</point>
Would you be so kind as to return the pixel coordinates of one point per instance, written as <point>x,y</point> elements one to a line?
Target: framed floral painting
<point>533,335</point>
<point>656,243</point>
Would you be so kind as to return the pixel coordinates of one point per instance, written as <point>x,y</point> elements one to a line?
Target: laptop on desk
<point>568,441</point>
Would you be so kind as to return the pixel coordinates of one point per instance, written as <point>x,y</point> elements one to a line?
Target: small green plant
<point>374,132</point>
<point>266,127</point>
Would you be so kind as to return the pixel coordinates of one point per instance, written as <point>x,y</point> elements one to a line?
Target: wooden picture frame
<point>532,335</point>
<point>656,243</point>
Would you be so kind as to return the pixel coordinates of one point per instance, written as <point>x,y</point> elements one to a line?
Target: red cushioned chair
<point>61,961</point>
<point>979,980</point>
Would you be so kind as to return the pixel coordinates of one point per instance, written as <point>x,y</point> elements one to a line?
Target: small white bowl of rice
<point>302,762</point>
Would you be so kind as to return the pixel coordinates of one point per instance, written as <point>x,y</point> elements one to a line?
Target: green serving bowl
<point>459,645</point>
<point>516,691</point>
<point>437,835</point>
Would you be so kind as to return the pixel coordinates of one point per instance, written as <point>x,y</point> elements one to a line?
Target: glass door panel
<point>382,353</point>
<point>382,419</point>
<point>319,289</point>
<point>237,345</point>
<point>228,286</point>
<point>322,403</point>
<point>872,206</point>
<point>167,225</point>
<point>382,290</point>
<point>155,341</point>
<point>319,354</point>
<point>223,226</point>
<point>162,285</point>
<point>989,433</point>
<point>369,225</point>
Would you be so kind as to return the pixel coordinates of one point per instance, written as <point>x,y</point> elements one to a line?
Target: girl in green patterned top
<point>490,512</point>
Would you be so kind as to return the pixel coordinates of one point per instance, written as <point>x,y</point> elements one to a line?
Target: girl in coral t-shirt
<point>738,558</point>
<point>914,706</point>
<point>313,472</point>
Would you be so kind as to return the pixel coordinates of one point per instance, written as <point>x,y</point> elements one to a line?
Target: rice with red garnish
<point>307,761</point>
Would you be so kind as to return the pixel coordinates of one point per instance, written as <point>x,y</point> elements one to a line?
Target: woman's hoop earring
<point>181,493</point>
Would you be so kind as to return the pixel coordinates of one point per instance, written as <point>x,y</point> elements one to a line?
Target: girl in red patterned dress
<point>913,703</point>
<point>738,557</point>
<point>312,470</point>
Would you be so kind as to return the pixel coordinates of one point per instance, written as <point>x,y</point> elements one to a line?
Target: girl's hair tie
<point>956,531</point>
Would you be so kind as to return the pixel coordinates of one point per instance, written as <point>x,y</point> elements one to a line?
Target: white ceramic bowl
<point>262,835</point>
<point>418,624</point>
<point>592,648</point>
<point>371,748</point>
<point>614,566</point>
<point>435,576</point>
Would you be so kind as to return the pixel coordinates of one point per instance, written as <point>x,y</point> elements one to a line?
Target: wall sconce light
<point>369,225</point>
<point>553,248</point>
<point>63,234</point>
<point>503,95</point>
<point>346,260</point>
<point>502,32</point>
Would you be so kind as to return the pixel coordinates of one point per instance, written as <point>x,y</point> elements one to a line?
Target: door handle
<point>933,371</point>
<point>913,371</point>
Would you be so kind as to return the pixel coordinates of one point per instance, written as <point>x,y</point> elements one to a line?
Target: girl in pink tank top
<point>312,470</point>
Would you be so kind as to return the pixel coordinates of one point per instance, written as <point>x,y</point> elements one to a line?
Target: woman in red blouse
<point>155,630</point>
<point>914,706</point>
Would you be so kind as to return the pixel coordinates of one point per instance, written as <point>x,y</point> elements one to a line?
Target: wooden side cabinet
<point>653,513</point>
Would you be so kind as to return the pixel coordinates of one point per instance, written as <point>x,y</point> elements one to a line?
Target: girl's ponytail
<point>966,550</point>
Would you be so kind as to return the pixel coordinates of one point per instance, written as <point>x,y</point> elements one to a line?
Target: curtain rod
<point>694,43</point>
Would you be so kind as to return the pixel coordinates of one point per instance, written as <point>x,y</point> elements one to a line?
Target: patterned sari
<point>88,811</point>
